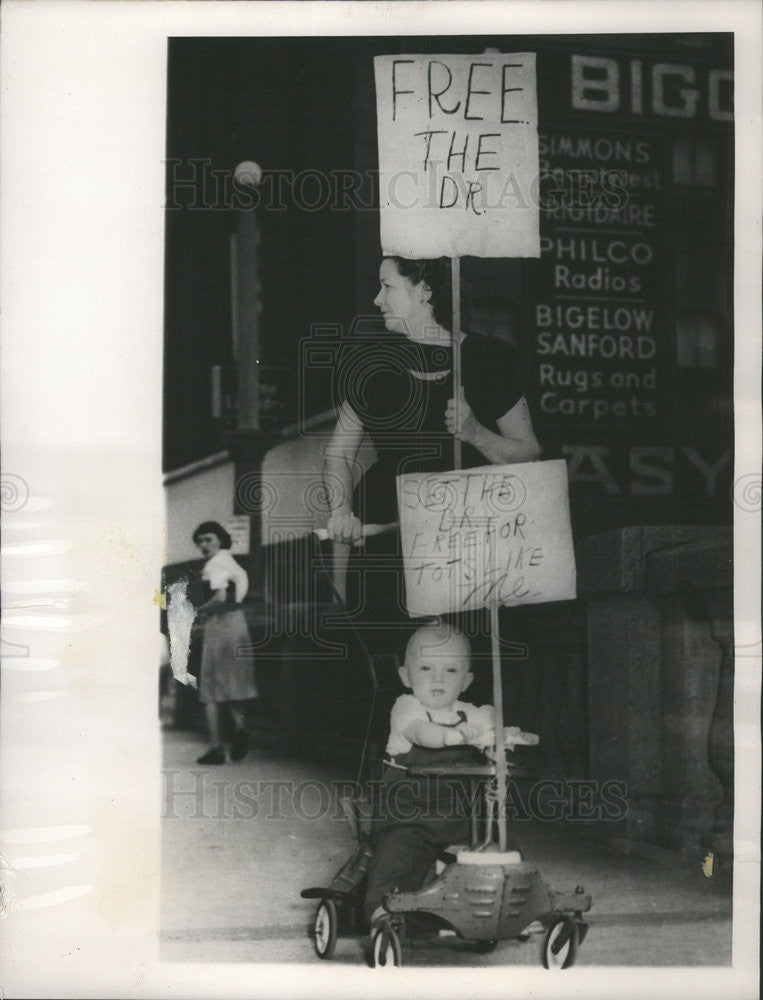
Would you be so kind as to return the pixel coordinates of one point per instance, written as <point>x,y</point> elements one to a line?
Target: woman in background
<point>227,676</point>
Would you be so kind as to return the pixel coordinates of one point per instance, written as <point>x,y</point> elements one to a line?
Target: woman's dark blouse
<point>405,416</point>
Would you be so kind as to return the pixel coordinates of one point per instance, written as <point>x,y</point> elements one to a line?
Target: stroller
<point>480,890</point>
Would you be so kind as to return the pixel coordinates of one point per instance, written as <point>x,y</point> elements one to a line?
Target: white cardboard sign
<point>474,536</point>
<point>238,527</point>
<point>458,155</point>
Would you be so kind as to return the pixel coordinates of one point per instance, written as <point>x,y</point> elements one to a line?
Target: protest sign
<point>458,155</point>
<point>476,537</point>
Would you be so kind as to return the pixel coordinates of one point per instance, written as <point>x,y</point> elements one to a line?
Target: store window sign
<point>674,90</point>
<point>238,527</point>
<point>650,470</point>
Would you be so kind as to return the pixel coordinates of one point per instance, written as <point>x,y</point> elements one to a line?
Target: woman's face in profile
<point>208,544</point>
<point>403,305</point>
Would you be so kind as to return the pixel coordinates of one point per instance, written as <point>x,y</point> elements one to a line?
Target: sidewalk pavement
<point>241,840</point>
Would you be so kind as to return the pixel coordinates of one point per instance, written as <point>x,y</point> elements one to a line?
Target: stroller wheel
<point>561,945</point>
<point>325,927</point>
<point>386,950</point>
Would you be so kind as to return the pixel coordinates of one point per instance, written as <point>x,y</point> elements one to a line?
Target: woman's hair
<point>437,275</point>
<point>213,528</point>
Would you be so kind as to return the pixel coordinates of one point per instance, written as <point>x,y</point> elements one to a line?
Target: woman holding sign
<point>399,393</point>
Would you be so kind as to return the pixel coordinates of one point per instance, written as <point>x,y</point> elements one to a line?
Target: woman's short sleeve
<point>491,377</point>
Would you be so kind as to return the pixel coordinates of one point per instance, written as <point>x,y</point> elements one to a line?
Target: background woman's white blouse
<point>223,569</point>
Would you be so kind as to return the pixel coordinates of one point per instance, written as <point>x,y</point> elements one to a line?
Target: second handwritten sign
<point>478,536</point>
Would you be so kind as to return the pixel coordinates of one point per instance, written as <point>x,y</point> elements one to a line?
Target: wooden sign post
<point>455,281</point>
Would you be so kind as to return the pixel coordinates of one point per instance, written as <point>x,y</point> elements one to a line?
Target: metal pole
<point>234,294</point>
<point>455,272</point>
<point>500,753</point>
<point>248,320</point>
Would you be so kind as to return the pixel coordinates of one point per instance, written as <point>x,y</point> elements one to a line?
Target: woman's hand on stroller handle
<point>346,528</point>
<point>343,526</point>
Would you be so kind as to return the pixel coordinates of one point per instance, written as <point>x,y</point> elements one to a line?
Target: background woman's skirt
<point>226,675</point>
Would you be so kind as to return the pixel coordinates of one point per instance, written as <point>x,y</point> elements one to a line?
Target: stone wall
<point>660,680</point>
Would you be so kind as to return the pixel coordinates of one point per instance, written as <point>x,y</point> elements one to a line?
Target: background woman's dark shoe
<point>214,756</point>
<point>239,747</point>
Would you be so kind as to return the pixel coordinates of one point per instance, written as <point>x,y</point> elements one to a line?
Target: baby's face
<point>437,673</point>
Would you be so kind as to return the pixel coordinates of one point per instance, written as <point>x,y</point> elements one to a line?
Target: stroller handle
<point>366,531</point>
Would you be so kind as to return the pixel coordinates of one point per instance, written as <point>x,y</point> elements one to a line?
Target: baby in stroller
<point>419,816</point>
<point>424,804</point>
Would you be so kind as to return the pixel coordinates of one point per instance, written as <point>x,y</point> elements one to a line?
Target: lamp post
<point>245,296</point>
